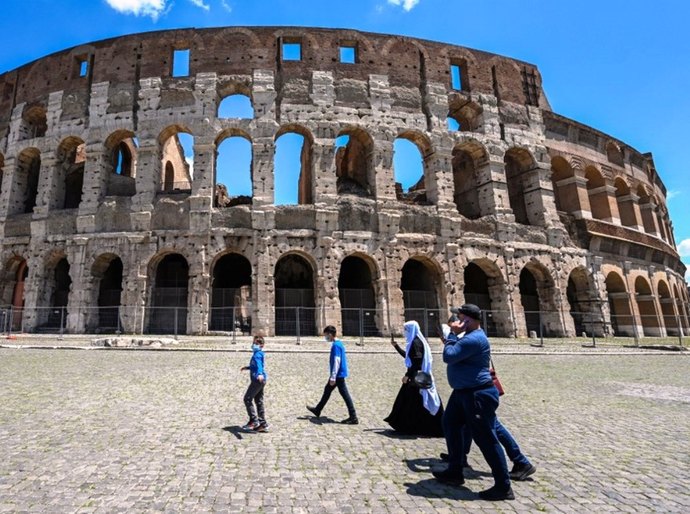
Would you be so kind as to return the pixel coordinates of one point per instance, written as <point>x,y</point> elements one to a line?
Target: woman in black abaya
<point>416,411</point>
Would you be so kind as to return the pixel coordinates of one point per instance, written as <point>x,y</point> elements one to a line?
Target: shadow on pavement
<point>237,431</point>
<point>392,434</point>
<point>430,488</point>
<point>323,420</point>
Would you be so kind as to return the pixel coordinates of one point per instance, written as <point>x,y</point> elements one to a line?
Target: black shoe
<point>495,494</point>
<point>519,473</point>
<point>449,477</point>
<point>444,457</point>
<point>350,421</point>
<point>313,410</point>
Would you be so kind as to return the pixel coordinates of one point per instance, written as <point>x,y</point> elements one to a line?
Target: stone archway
<point>419,284</point>
<point>168,310</point>
<point>646,306</point>
<point>357,297</point>
<point>231,293</point>
<point>295,313</point>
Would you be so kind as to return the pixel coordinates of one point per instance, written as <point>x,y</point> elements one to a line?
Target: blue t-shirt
<point>256,365</point>
<point>468,359</point>
<point>338,360</point>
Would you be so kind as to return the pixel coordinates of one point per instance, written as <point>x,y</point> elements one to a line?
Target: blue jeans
<point>476,409</point>
<point>505,438</point>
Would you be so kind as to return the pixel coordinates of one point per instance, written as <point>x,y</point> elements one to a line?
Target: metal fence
<point>361,323</point>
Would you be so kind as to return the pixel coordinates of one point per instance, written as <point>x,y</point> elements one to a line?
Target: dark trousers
<point>476,409</point>
<point>342,389</point>
<point>505,438</point>
<point>255,394</point>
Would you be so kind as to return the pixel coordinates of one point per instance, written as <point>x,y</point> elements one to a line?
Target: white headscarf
<point>430,398</point>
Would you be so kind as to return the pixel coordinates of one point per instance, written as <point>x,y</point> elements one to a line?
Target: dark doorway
<point>295,313</point>
<point>420,297</point>
<point>169,296</point>
<point>231,295</point>
<point>57,317</point>
<point>529,295</point>
<point>476,291</point>
<point>357,301</point>
<point>109,293</point>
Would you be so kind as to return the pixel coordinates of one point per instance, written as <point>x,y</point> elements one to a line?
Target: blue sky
<point>621,66</point>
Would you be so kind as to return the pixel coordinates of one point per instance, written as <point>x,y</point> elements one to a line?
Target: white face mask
<point>327,339</point>
<point>256,347</point>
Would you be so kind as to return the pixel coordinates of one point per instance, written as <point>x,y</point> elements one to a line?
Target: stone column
<point>94,188</point>
<point>147,184</point>
<point>263,289</point>
<point>203,191</point>
<point>80,289</point>
<point>10,192</point>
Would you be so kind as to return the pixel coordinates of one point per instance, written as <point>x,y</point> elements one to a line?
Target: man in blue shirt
<point>255,391</point>
<point>338,367</point>
<point>473,402</point>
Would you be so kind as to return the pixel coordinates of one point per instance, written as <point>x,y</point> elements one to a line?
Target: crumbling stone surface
<point>94,176</point>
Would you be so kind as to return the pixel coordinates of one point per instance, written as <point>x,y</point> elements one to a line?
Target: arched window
<point>420,287</point>
<point>466,187</point>
<point>177,149</point>
<point>233,180</point>
<point>619,305</point>
<point>565,186</point>
<point>293,168</point>
<point>357,297</point>
<point>25,189</point>
<point>646,306</point>
<point>34,122</point>
<point>236,106</point>
<point>625,203</point>
<point>69,174</point>
<point>597,192</point>
<point>647,210</point>
<point>517,163</point>
<point>231,294</point>
<point>353,163</point>
<point>408,169</point>
<point>294,296</point>
<point>169,296</point>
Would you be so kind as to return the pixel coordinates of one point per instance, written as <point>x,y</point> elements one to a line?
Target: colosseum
<point>109,225</point>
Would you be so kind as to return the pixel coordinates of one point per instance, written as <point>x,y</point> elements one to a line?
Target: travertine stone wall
<point>398,87</point>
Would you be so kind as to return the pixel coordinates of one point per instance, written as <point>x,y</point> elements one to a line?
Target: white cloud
<point>201,4</point>
<point>407,5</point>
<point>684,248</point>
<point>226,5</point>
<point>687,275</point>
<point>152,8</point>
<point>673,194</point>
<point>190,163</point>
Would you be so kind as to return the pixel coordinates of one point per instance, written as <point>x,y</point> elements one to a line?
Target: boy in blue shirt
<point>255,391</point>
<point>338,367</point>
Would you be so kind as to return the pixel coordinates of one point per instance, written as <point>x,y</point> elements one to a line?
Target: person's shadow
<point>237,431</point>
<point>322,420</point>
<point>431,488</point>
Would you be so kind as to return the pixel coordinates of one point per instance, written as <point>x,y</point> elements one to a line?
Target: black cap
<point>468,309</point>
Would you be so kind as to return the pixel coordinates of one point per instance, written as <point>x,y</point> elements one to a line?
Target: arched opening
<point>121,157</point>
<point>464,115</point>
<point>614,154</point>
<point>624,200</point>
<point>565,186</point>
<point>518,162</point>
<point>34,122</point>
<point>26,182</point>
<point>108,271</point>
<point>293,168</point>
<point>237,106</point>
<point>465,180</point>
<point>168,312</point>
<point>69,174</point>
<point>177,160</point>
<point>357,297</point>
<point>59,284</point>
<point>529,296</point>
<point>580,296</point>
<point>681,306</point>
<point>668,313</point>
<point>353,163</point>
<point>597,191</point>
<point>647,308</point>
<point>619,305</point>
<point>19,276</point>
<point>409,168</point>
<point>477,291</point>
<point>647,209</point>
<point>294,297</point>
<point>419,284</point>
<point>231,294</point>
<point>233,180</point>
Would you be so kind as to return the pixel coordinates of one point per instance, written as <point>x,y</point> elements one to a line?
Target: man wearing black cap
<point>473,402</point>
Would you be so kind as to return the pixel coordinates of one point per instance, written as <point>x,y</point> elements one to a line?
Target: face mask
<point>325,338</point>
<point>256,347</point>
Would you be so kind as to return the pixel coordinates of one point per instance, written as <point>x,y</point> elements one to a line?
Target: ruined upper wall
<point>123,61</point>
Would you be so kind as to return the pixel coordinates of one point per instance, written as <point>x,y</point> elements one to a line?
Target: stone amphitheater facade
<point>519,209</point>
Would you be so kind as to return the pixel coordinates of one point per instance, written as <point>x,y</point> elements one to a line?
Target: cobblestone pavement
<point>135,431</point>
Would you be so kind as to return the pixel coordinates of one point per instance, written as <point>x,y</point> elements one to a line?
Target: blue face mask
<point>256,347</point>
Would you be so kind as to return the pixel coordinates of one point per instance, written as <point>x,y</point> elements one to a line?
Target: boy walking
<point>255,391</point>
<point>338,367</point>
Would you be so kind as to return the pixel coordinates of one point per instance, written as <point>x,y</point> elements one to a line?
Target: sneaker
<point>350,421</point>
<point>263,427</point>
<point>252,425</point>
<point>313,410</point>
<point>495,494</point>
<point>519,473</point>
<point>449,477</point>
